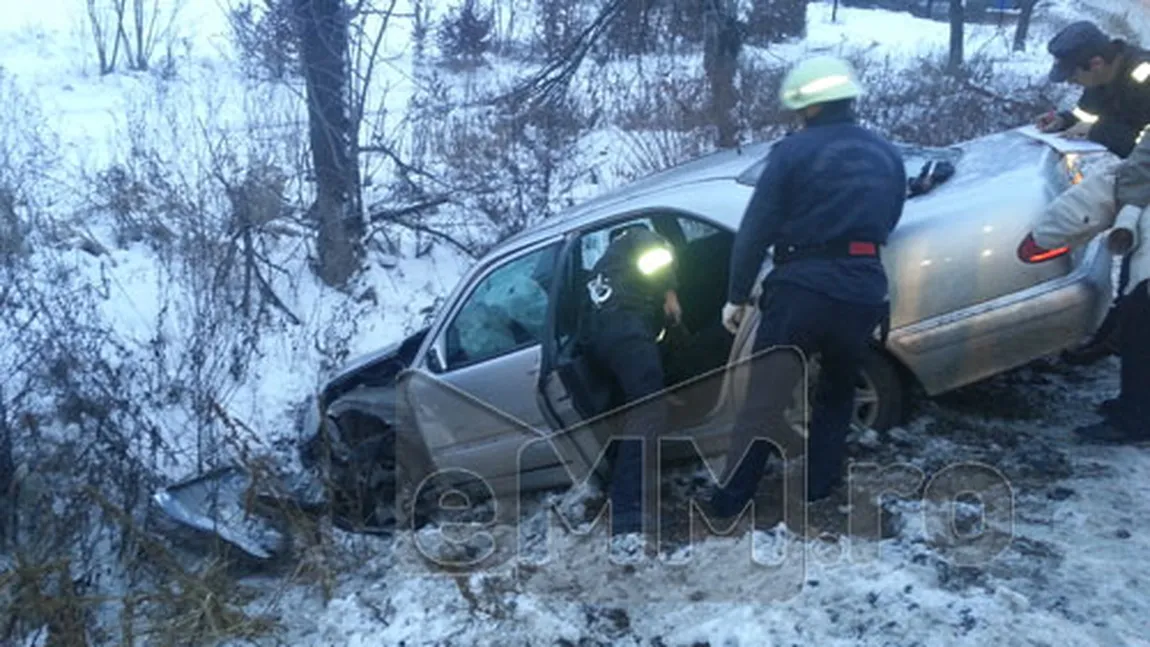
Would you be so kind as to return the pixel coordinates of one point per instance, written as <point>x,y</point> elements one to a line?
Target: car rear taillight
<point>1030,252</point>
<point>1073,167</point>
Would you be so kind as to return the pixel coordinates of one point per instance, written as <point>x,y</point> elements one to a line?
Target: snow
<point>1071,573</point>
<point>1074,574</point>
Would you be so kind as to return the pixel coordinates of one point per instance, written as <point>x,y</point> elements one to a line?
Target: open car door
<point>571,393</point>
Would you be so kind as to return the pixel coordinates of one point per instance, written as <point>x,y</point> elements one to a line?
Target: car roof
<point>743,163</point>
<point>726,164</point>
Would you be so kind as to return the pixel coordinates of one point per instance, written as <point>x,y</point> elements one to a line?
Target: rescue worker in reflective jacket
<point>633,295</point>
<point>1115,103</point>
<point>1113,109</point>
<point>826,201</point>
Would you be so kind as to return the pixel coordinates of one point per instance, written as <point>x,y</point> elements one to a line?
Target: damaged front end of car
<point>349,474</point>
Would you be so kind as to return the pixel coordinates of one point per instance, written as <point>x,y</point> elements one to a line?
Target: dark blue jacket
<point>832,180</point>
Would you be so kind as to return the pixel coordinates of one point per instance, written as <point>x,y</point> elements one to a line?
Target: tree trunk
<point>1023,27</point>
<point>721,44</point>
<point>954,63</point>
<point>337,210</point>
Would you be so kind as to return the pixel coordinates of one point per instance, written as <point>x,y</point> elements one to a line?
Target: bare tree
<point>337,210</point>
<point>957,20</point>
<point>102,32</point>
<point>1023,27</point>
<point>722,41</point>
<point>140,45</point>
<point>552,80</point>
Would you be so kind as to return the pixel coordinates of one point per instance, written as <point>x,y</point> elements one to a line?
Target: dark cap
<point>1075,45</point>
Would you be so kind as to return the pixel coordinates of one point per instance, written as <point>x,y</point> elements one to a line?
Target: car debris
<point>231,504</point>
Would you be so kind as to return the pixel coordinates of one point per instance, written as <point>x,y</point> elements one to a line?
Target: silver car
<point>494,394</point>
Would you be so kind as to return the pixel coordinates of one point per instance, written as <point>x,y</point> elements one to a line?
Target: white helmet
<point>818,80</point>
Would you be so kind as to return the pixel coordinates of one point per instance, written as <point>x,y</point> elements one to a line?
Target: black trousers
<point>1133,411</point>
<point>624,345</point>
<point>838,331</point>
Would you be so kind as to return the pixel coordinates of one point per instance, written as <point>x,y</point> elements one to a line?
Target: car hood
<point>377,368</point>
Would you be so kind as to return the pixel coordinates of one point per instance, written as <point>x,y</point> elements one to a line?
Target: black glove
<point>931,175</point>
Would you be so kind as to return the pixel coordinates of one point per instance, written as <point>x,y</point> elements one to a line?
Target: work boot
<point>1091,352</point>
<point>723,506</point>
<point>819,490</point>
<point>1101,345</point>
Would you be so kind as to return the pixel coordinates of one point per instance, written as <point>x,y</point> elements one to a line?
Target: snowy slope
<point>1073,576</point>
<point>1068,573</point>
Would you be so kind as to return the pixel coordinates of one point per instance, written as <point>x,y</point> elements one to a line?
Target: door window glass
<point>505,312</point>
<point>594,243</point>
<point>695,229</point>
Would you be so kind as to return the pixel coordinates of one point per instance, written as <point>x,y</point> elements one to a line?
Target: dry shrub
<point>13,230</point>
<point>659,97</point>
<point>509,164</point>
<point>653,26</point>
<point>265,37</point>
<point>922,104</point>
<point>656,150</point>
<point>557,24</point>
<point>28,157</point>
<point>759,113</point>
<point>465,34</point>
<point>93,420</point>
<point>773,21</point>
<point>79,416</point>
<point>138,195</point>
<point>1119,25</point>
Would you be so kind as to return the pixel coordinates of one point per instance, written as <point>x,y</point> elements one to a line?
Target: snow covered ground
<point>1071,576</point>
<point>1057,563</point>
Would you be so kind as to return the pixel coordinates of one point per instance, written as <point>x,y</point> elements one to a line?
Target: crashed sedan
<point>495,397</point>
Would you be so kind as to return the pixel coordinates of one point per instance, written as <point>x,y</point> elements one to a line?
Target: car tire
<point>880,375</point>
<point>879,398</point>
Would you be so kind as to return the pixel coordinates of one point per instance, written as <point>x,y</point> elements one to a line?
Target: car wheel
<point>880,393</point>
<point>878,397</point>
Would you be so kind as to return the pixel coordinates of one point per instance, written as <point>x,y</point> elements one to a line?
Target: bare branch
<point>399,217</point>
<point>556,75</point>
<point>361,101</point>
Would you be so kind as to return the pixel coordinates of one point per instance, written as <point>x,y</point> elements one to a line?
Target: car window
<point>506,311</point>
<point>594,243</point>
<point>694,229</point>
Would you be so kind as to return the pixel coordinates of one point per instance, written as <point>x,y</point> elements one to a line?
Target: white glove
<point>733,317</point>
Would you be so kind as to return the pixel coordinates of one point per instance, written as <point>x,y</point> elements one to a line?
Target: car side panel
<point>957,248</point>
<point>958,348</point>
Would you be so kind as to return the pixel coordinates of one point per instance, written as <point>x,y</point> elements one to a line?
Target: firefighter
<point>633,296</point>
<point>1114,110</point>
<point>827,200</point>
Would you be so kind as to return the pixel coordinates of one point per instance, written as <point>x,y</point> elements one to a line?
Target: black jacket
<point>633,290</point>
<point>833,180</point>
<point>1122,106</point>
